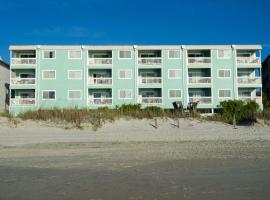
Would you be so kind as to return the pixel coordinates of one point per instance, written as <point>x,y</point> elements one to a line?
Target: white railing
<point>249,98</point>
<point>23,101</point>
<point>249,80</point>
<point>23,61</point>
<point>23,81</point>
<point>100,101</point>
<point>151,100</point>
<point>248,60</point>
<point>199,60</point>
<point>149,61</point>
<point>201,100</point>
<point>100,81</point>
<point>196,79</point>
<point>99,61</point>
<point>150,80</point>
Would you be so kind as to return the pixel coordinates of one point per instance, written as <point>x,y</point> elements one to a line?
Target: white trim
<point>181,95</point>
<point>174,77</point>
<point>124,70</point>
<point>48,91</point>
<point>224,77</point>
<point>131,91</point>
<point>174,58</point>
<point>124,58</point>
<point>80,78</point>
<point>222,58</point>
<point>225,97</point>
<point>74,98</point>
<point>74,58</point>
<point>48,58</point>
<point>48,78</point>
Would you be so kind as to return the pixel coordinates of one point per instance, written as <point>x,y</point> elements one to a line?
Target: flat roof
<point>130,47</point>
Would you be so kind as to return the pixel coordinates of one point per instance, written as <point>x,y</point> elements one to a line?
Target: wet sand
<point>49,163</point>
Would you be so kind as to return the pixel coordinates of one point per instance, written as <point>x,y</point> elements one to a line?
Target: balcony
<point>22,101</point>
<point>249,80</point>
<point>100,101</point>
<point>201,100</point>
<point>150,61</point>
<point>23,61</point>
<point>99,61</point>
<point>199,60</point>
<point>199,80</point>
<point>249,98</point>
<point>151,100</point>
<point>199,56</point>
<point>100,81</point>
<point>150,80</point>
<point>248,60</point>
<point>23,81</point>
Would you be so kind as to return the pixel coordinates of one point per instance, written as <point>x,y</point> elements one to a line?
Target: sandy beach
<point>130,159</point>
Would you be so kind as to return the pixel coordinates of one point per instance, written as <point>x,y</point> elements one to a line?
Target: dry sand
<point>130,159</point>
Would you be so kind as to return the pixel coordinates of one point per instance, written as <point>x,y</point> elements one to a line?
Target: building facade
<point>266,76</point>
<point>4,85</point>
<point>96,76</point>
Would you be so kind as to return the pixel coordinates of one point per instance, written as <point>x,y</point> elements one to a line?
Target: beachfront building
<point>266,76</point>
<point>4,85</point>
<point>98,76</point>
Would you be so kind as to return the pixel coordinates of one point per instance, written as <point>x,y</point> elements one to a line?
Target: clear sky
<point>134,22</point>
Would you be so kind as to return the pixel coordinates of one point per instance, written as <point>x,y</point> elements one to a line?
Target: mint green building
<point>98,76</point>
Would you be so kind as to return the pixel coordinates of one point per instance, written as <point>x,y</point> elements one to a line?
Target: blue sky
<point>134,22</point>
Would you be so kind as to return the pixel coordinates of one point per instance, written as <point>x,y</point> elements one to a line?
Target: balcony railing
<point>199,60</point>
<point>23,61</point>
<point>100,101</point>
<point>23,101</point>
<point>194,80</point>
<point>249,98</point>
<point>100,81</point>
<point>150,80</point>
<point>99,61</point>
<point>151,100</point>
<point>248,60</point>
<point>150,61</point>
<point>201,100</point>
<point>23,81</point>
<point>248,80</point>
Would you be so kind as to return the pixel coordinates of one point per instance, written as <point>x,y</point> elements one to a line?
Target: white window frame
<point>48,78</point>
<point>75,71</point>
<point>124,70</point>
<point>119,91</point>
<point>49,91</point>
<point>174,97</point>
<point>224,57</point>
<point>48,58</point>
<point>75,98</point>
<point>74,58</point>
<point>174,50</point>
<point>124,58</point>
<point>225,97</point>
<point>174,77</point>
<point>224,77</point>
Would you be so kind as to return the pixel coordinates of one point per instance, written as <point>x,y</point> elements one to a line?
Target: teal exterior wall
<point>62,84</point>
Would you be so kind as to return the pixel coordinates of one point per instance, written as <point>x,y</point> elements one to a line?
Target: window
<point>174,73</point>
<point>49,54</point>
<point>74,94</point>
<point>174,54</point>
<point>74,74</point>
<point>174,93</point>
<point>48,74</point>
<point>48,95</point>
<point>74,54</point>
<point>224,73</point>
<point>124,74</point>
<point>125,94</point>
<point>224,53</point>
<point>125,54</point>
<point>224,93</point>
